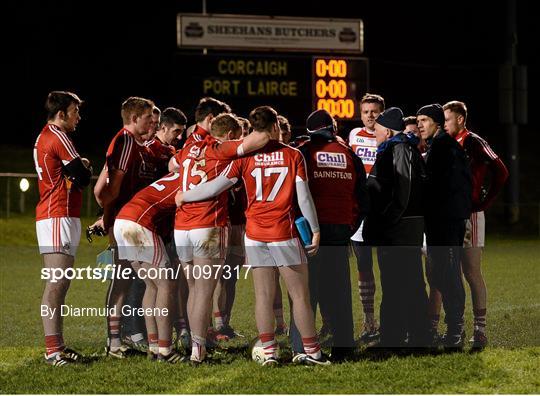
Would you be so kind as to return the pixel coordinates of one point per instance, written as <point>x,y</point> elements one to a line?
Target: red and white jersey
<point>480,156</point>
<point>199,163</point>
<point>160,154</point>
<point>58,197</point>
<point>198,135</point>
<point>364,145</point>
<point>153,207</point>
<point>270,177</point>
<point>129,156</point>
<point>332,168</point>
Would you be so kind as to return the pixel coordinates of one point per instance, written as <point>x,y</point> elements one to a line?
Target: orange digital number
<point>341,108</point>
<point>320,68</point>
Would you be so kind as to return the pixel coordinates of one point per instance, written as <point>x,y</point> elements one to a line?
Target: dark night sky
<point>420,54</point>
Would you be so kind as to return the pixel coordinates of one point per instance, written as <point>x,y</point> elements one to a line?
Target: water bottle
<point>304,230</point>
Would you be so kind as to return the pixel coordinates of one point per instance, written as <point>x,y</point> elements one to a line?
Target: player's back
<point>270,177</point>
<point>199,163</point>
<point>333,176</point>
<point>198,135</point>
<point>153,204</point>
<point>58,196</point>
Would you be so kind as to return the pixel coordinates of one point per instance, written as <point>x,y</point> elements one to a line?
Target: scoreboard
<point>337,86</point>
<point>295,85</point>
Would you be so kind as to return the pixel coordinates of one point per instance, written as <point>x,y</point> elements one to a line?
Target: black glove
<point>96,230</point>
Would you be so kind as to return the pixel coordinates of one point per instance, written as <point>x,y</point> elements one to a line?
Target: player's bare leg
<point>471,262</point>
<point>200,303</point>
<point>434,303</point>
<point>218,301</point>
<point>163,300</point>
<point>296,281</point>
<point>281,326</point>
<point>182,323</point>
<point>149,301</point>
<point>366,288</point>
<point>118,289</point>
<point>264,279</point>
<point>264,284</point>
<point>188,271</point>
<point>54,296</point>
<point>235,262</point>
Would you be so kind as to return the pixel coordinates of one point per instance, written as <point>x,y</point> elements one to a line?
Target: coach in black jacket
<point>337,181</point>
<point>395,224</point>
<point>448,205</point>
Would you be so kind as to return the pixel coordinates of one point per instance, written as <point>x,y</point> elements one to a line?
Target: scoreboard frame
<point>284,81</point>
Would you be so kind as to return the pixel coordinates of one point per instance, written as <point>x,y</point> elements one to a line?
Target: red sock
<point>269,344</point>
<point>113,322</point>
<point>312,346</point>
<point>165,347</point>
<point>480,320</point>
<point>152,338</point>
<point>218,320</point>
<point>54,343</point>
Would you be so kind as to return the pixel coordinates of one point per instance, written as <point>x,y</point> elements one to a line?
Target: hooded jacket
<point>396,185</point>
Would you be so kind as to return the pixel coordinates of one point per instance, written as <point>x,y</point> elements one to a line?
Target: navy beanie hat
<point>391,118</point>
<point>319,119</point>
<point>435,111</point>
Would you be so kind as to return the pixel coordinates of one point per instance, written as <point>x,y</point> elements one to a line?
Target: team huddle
<point>230,193</point>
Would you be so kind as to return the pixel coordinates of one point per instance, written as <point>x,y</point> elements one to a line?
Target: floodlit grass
<point>509,365</point>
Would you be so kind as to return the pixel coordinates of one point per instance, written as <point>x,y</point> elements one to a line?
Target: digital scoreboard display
<point>295,85</point>
<point>338,84</point>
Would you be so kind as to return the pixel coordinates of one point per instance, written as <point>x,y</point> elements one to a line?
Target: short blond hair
<point>135,106</point>
<point>223,124</point>
<point>455,106</point>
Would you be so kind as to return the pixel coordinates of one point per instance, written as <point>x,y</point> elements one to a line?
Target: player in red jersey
<point>206,110</point>
<point>483,161</point>
<point>362,141</point>
<point>272,177</point>
<point>162,147</point>
<point>140,229</point>
<point>285,134</point>
<point>171,125</point>
<point>201,229</point>
<point>246,126</point>
<point>225,292</point>
<point>155,161</point>
<point>128,171</point>
<point>154,125</point>
<point>62,175</point>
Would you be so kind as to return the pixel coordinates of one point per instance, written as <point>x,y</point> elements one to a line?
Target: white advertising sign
<point>270,33</point>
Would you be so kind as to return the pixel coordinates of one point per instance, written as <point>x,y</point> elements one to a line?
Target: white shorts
<point>358,234</point>
<point>475,230</point>
<point>138,243</point>
<point>274,254</point>
<point>59,235</point>
<point>211,242</point>
<point>236,240</point>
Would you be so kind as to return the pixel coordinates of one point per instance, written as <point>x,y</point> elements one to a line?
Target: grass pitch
<point>511,364</point>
